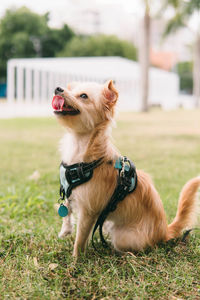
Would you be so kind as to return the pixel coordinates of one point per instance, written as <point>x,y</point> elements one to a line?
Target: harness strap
<point>125,185</point>
<point>186,233</point>
<point>74,175</point>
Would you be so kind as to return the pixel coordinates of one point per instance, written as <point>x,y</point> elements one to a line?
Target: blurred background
<point>151,49</point>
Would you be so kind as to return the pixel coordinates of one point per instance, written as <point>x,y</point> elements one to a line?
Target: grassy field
<point>35,264</point>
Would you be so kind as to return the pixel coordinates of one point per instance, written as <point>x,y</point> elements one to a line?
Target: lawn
<point>35,264</point>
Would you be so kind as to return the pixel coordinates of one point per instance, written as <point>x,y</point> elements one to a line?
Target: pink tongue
<point>58,102</point>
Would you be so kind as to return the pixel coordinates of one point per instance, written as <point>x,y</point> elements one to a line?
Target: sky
<point>124,21</point>
<point>60,9</point>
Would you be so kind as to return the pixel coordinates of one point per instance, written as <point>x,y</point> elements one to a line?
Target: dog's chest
<point>72,151</point>
<point>73,148</point>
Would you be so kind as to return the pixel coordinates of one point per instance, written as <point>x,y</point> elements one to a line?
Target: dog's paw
<point>64,232</point>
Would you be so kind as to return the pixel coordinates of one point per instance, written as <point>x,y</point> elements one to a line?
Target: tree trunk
<point>196,72</point>
<point>144,58</point>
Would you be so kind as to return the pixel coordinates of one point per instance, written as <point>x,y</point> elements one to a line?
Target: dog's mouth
<point>62,108</point>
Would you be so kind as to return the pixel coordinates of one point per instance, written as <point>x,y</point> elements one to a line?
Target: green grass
<point>165,144</point>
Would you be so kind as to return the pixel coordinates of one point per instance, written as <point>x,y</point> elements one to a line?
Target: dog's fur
<point>139,220</point>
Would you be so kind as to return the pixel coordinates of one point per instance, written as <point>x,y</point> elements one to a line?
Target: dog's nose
<point>58,90</point>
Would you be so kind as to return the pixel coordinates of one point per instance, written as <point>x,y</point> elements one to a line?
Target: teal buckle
<point>118,163</point>
<point>123,164</point>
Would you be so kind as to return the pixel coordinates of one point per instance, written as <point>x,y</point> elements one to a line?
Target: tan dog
<point>87,110</point>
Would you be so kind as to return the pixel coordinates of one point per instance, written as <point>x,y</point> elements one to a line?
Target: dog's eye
<point>84,96</point>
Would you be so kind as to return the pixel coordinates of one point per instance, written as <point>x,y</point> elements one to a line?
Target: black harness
<point>73,175</point>
<point>126,183</point>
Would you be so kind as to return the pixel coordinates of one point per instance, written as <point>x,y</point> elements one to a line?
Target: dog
<point>87,111</point>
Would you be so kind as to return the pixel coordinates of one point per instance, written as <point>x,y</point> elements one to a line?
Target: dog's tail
<point>187,209</point>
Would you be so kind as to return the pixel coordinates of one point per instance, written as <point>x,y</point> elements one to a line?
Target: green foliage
<point>192,6</point>
<point>183,10</point>
<point>35,264</point>
<point>172,4</point>
<point>24,33</point>
<point>55,39</point>
<point>184,70</point>
<point>174,23</point>
<point>22,19</point>
<point>19,31</point>
<point>100,45</point>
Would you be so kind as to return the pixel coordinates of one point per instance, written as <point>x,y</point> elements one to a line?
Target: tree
<point>55,39</point>
<point>19,32</point>
<point>184,70</point>
<point>24,33</point>
<point>99,45</point>
<point>151,8</point>
<point>184,11</point>
<point>144,55</point>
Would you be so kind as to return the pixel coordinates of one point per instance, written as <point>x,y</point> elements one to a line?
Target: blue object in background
<point>3,87</point>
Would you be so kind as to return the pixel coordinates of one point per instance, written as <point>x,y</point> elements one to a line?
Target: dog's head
<point>83,106</point>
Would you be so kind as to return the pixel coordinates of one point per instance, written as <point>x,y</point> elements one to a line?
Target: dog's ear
<point>110,93</point>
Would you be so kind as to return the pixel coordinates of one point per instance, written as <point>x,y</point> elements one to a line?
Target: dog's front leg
<point>84,226</point>
<point>67,223</point>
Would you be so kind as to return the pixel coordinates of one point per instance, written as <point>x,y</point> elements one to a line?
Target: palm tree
<point>184,12</point>
<point>144,56</point>
<point>151,8</point>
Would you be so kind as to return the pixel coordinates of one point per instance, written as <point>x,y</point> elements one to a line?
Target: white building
<point>31,82</point>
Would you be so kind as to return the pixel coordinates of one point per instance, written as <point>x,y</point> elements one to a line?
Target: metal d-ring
<point>61,200</point>
<point>122,170</point>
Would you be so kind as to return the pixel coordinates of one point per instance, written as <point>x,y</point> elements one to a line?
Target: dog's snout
<point>58,90</point>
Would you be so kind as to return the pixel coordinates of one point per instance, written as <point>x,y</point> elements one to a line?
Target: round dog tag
<point>63,210</point>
